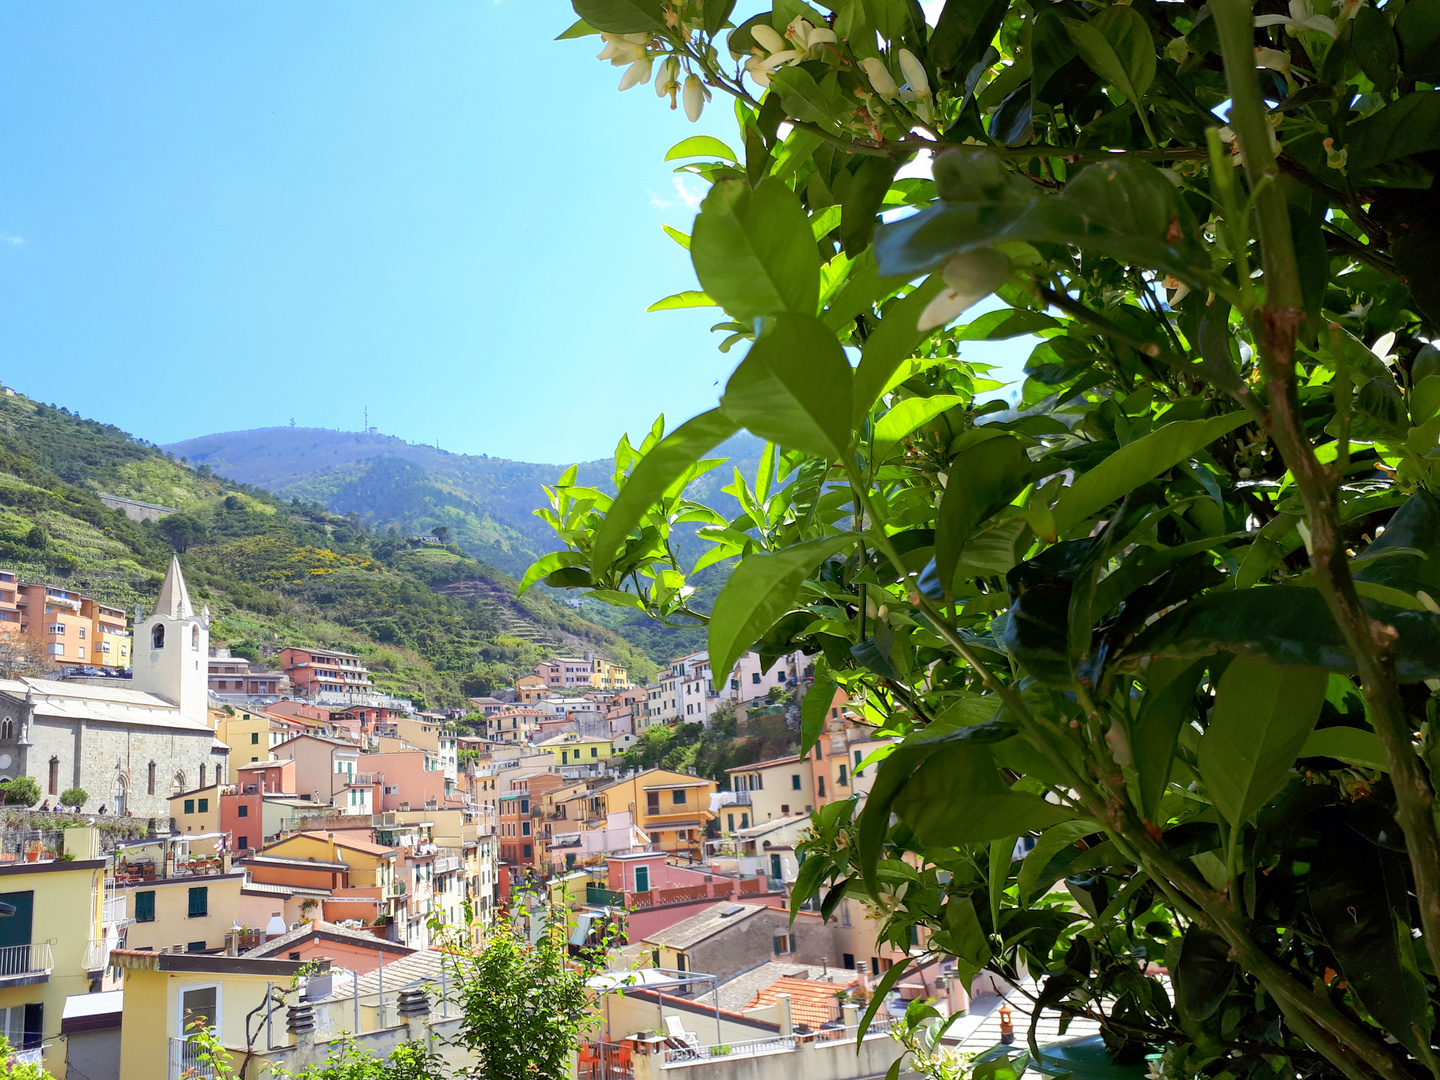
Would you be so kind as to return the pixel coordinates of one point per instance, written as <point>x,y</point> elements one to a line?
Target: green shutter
<point>199,902</point>
<point>204,806</point>
<point>144,907</point>
<point>189,806</point>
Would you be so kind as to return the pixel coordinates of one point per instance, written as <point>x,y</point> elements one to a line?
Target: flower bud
<point>914,73</point>
<point>694,97</point>
<point>879,76</point>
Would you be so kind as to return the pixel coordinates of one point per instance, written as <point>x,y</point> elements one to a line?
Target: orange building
<point>324,671</point>
<point>109,632</point>
<point>9,602</point>
<point>53,615</point>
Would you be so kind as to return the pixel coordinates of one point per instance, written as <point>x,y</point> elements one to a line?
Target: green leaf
<point>1262,716</point>
<point>793,387</point>
<point>1169,692</point>
<point>1117,45</point>
<point>908,415</point>
<point>1204,974</point>
<point>813,711</point>
<point>1002,853</point>
<point>1411,125</point>
<point>1033,878</point>
<point>547,565</point>
<point>1418,28</point>
<point>577,29</point>
<point>983,480</point>
<point>891,343</point>
<point>1137,462</point>
<point>701,146</point>
<point>968,943</point>
<point>804,99</point>
<point>1005,323</point>
<point>964,31</point>
<point>761,589</point>
<point>868,185</point>
<point>717,12</point>
<point>653,476</point>
<point>753,250</point>
<point>1354,746</point>
<point>1289,625</point>
<point>1359,898</point>
<point>1375,48</point>
<point>957,797</point>
<point>1414,528</point>
<point>690,298</point>
<point>622,16</point>
<point>882,991</point>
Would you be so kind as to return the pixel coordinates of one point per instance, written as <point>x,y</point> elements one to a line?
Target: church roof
<point>174,599</point>
<point>113,704</point>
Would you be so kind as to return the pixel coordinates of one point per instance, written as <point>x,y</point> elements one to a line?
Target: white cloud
<point>6,238</point>
<point>684,196</point>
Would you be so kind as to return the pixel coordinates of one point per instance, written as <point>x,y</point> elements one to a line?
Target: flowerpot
<point>32,856</point>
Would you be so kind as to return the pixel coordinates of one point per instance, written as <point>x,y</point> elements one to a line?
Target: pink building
<point>409,779</point>
<point>324,768</point>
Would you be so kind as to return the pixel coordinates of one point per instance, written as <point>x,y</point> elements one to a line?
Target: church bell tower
<point>171,651</point>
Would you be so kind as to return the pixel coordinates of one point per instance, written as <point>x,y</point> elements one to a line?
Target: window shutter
<point>145,907</point>
<point>792,942</point>
<point>199,902</point>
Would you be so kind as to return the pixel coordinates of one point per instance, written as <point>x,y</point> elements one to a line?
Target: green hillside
<point>430,620</point>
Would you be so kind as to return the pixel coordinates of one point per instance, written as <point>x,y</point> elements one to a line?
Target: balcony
<point>447,864</point>
<point>97,954</point>
<point>24,964</point>
<point>113,912</point>
<point>742,798</point>
<point>395,889</point>
<point>188,1060</point>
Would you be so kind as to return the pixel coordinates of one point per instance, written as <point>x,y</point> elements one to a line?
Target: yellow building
<point>371,864</point>
<point>54,945</point>
<point>530,689</point>
<point>166,992</point>
<point>672,808</point>
<point>178,900</point>
<point>573,749</point>
<point>197,811</point>
<point>248,736</point>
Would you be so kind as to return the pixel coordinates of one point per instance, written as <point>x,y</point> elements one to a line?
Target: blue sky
<point>226,216</point>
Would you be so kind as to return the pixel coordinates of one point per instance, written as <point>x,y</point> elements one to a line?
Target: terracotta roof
<point>319,929</point>
<point>811,1001</point>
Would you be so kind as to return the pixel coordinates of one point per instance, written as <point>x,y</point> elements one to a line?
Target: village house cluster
<point>249,822</point>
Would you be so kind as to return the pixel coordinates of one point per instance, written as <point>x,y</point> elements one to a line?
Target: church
<point>129,748</point>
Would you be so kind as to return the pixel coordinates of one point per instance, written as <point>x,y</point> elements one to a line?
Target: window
<point>144,907</point>
<point>841,780</point>
<point>594,751</point>
<point>54,776</point>
<point>204,806</point>
<point>848,960</point>
<point>820,786</point>
<point>58,629</point>
<point>642,879</point>
<point>195,946</point>
<point>784,809</point>
<point>242,843</point>
<point>243,811</point>
<point>525,828</point>
<point>254,738</point>
<point>729,822</point>
<point>194,637</point>
<point>150,780</point>
<point>202,776</point>
<point>81,632</point>
<point>678,796</point>
<point>189,806</point>
<point>80,652</point>
<point>744,821</point>
<point>56,650</point>
<point>527,851</point>
<point>199,902</point>
<point>844,913</point>
<point>157,637</point>
<point>524,806</point>
<point>755,678</point>
<point>200,1003</point>
<point>795,781</point>
<point>652,802</point>
<point>783,944</point>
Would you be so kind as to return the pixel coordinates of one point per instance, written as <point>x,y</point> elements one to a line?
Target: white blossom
<point>804,36</point>
<point>1302,17</point>
<point>1274,59</point>
<point>969,276</point>
<point>915,74</point>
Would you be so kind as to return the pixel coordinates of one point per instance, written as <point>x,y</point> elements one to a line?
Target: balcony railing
<point>113,913</point>
<point>97,954</point>
<point>25,961</point>
<point>187,1061</point>
<point>395,888</point>
<point>742,798</point>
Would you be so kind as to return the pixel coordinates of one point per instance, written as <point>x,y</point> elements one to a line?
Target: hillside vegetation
<point>273,571</point>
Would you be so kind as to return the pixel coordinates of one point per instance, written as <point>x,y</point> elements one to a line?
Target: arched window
<point>202,776</point>
<point>179,784</point>
<point>195,637</point>
<point>157,637</point>
<point>118,797</point>
<point>7,728</point>
<point>150,780</point>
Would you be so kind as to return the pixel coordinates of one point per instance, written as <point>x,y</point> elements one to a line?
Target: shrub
<point>75,797</point>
